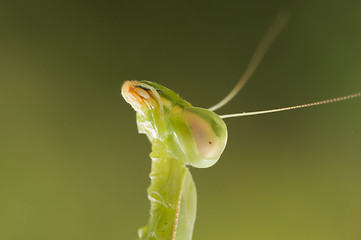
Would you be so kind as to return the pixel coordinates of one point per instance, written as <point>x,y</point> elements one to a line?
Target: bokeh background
<point>72,165</point>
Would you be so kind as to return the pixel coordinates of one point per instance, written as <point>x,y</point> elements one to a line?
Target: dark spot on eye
<point>210,142</point>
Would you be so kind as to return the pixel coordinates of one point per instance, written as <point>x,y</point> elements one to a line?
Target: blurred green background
<point>72,165</point>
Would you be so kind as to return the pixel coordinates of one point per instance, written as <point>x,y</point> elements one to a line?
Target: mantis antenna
<point>271,34</point>
<point>273,31</point>
<point>292,107</point>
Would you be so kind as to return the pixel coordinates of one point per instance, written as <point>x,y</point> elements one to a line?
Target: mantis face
<point>195,136</point>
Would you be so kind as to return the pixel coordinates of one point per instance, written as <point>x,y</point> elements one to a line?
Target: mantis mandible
<point>182,136</point>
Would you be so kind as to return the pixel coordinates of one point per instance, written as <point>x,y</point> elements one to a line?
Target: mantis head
<point>193,135</point>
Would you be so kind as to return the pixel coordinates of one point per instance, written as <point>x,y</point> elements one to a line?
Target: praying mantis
<point>183,135</point>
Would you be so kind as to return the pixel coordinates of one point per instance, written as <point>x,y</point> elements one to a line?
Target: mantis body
<point>181,136</point>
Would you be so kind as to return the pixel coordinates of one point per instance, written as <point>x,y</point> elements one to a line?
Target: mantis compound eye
<point>208,130</point>
<point>198,136</point>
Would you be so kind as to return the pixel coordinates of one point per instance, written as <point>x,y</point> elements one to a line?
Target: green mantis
<point>183,135</point>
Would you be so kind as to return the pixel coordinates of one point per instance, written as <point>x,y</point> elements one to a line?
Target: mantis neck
<point>172,198</point>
